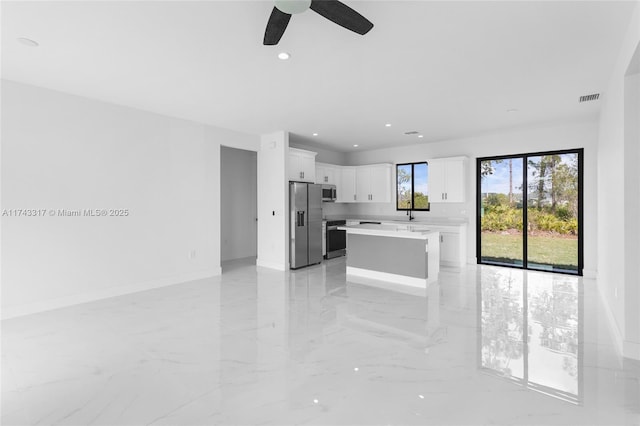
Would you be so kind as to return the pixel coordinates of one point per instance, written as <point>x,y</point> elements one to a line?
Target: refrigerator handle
<point>300,218</point>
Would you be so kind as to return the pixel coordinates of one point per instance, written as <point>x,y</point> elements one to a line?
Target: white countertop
<point>434,221</point>
<point>419,232</point>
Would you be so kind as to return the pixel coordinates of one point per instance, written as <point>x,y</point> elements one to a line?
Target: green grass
<point>545,250</point>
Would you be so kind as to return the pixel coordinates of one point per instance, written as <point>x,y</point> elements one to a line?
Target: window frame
<point>525,218</point>
<point>412,186</point>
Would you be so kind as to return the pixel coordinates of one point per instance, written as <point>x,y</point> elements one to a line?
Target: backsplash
<point>461,210</point>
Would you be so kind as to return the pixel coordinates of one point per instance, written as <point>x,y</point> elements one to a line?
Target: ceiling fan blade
<point>278,22</point>
<point>342,15</point>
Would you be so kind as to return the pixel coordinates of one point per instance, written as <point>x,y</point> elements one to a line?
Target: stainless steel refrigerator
<point>305,209</point>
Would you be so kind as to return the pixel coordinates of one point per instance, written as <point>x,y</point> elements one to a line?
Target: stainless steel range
<point>336,239</point>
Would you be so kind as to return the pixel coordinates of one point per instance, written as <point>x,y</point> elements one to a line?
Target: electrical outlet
<point>192,254</point>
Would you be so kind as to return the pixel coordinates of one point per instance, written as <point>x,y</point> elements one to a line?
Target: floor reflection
<point>530,330</point>
<point>375,308</point>
<point>484,345</point>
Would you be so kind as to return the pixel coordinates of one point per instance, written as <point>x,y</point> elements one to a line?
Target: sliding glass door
<point>530,211</point>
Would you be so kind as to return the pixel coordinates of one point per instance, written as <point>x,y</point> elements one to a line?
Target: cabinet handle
<point>446,195</point>
<point>441,239</point>
<point>354,197</point>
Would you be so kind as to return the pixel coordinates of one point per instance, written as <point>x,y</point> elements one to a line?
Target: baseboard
<point>632,350</point>
<point>106,293</point>
<point>385,276</point>
<point>618,340</point>
<point>271,265</point>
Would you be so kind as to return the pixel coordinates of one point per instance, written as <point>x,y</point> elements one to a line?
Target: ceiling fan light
<point>293,6</point>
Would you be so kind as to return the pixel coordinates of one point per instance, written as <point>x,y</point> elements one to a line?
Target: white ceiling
<point>445,69</point>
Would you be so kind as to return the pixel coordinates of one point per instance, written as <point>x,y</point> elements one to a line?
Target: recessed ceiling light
<point>421,136</point>
<point>512,110</point>
<point>387,125</point>
<point>28,42</point>
<point>355,146</point>
<point>284,56</point>
<point>315,134</point>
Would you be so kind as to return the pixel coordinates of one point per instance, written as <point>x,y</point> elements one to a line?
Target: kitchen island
<point>401,254</point>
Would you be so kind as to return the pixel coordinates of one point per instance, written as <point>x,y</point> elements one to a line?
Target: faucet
<point>410,215</point>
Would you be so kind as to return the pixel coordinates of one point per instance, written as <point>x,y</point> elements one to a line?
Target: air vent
<point>587,98</point>
<point>413,132</point>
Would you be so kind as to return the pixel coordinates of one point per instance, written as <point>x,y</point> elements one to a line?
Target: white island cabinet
<point>453,239</point>
<point>400,254</point>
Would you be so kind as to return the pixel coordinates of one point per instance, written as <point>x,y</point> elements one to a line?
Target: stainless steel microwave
<point>328,193</point>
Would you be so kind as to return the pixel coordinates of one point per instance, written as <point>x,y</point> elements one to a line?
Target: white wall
<point>273,201</point>
<point>238,203</point>
<point>617,157</point>
<point>555,136</point>
<point>324,155</point>
<point>66,152</point>
<point>632,211</point>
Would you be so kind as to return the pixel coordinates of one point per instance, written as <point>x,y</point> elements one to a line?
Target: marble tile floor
<point>484,345</point>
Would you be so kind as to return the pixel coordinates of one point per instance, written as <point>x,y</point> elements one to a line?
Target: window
<point>529,211</point>
<point>411,188</point>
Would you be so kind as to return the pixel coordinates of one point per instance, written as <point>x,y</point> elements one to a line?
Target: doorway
<point>529,211</point>
<point>238,207</point>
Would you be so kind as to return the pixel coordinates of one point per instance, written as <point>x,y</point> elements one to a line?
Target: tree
<point>543,170</point>
<point>486,167</point>
<point>404,192</point>
<point>510,181</point>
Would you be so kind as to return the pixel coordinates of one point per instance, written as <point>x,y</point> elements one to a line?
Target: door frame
<point>525,203</point>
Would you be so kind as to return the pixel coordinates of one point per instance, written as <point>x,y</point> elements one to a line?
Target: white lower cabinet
<point>449,248</point>
<point>453,245</point>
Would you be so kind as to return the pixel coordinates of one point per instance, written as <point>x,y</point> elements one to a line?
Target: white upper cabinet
<point>381,183</point>
<point>302,165</point>
<point>447,180</point>
<point>373,183</point>
<point>327,174</point>
<point>346,189</point>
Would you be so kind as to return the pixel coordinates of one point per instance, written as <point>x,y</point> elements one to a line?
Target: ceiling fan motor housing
<point>293,6</point>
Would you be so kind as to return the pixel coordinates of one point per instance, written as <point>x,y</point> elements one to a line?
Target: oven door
<point>336,242</point>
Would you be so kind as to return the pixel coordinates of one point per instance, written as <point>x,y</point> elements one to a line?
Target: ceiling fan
<point>333,10</point>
